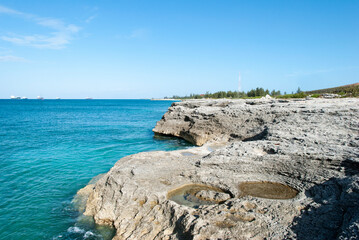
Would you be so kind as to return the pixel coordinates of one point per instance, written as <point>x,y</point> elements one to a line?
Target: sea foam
<point>75,230</point>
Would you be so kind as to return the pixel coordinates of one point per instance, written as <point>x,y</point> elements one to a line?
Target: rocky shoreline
<point>265,169</point>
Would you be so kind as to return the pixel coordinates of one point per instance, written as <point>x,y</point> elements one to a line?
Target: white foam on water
<point>75,230</point>
<point>57,237</point>
<point>90,234</point>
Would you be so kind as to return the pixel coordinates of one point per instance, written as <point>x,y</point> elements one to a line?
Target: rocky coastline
<point>263,169</point>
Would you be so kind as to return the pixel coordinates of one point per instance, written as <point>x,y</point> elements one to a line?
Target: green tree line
<point>257,92</point>
<point>351,90</point>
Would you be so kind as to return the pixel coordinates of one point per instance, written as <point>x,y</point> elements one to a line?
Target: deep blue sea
<point>49,149</point>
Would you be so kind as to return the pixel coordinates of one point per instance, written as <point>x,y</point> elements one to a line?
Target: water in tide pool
<point>50,149</point>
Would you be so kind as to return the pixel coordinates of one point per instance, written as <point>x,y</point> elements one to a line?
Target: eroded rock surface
<point>310,146</point>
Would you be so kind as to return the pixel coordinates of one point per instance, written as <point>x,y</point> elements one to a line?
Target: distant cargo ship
<point>40,98</point>
<point>24,98</point>
<point>88,98</point>
<point>15,97</point>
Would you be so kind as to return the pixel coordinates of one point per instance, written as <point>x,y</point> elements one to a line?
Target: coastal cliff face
<point>265,169</point>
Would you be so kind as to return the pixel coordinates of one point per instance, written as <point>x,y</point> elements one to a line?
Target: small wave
<point>90,234</point>
<point>57,237</point>
<point>75,230</point>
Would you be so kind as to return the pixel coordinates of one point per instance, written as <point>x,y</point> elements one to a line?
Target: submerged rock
<point>289,170</point>
<point>213,196</point>
<point>195,195</point>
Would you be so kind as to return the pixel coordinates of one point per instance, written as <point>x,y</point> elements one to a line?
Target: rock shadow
<point>181,232</point>
<point>259,136</point>
<point>334,212</point>
<point>351,166</point>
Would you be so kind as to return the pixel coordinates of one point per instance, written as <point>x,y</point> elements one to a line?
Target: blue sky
<point>144,49</point>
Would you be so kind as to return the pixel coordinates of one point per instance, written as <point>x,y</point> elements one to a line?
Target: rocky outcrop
<point>266,169</point>
<point>222,120</point>
<point>201,121</point>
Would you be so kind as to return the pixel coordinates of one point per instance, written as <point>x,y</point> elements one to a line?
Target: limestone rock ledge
<point>311,146</point>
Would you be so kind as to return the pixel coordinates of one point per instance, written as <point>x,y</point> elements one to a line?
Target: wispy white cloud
<point>58,38</point>
<point>89,19</point>
<point>9,11</point>
<point>10,58</point>
<point>92,11</point>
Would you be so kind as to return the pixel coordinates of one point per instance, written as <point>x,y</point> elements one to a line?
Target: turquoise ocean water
<point>50,149</point>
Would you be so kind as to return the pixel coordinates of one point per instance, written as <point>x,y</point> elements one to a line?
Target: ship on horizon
<point>39,98</point>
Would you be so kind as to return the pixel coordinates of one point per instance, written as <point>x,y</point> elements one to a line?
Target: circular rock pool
<point>271,190</point>
<point>194,195</point>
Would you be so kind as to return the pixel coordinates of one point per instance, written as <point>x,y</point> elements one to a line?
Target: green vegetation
<point>254,93</point>
<point>295,95</point>
<point>351,90</point>
<point>298,94</point>
<point>316,95</point>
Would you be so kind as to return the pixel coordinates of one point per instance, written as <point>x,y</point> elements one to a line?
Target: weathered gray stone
<point>311,146</point>
<point>330,95</point>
